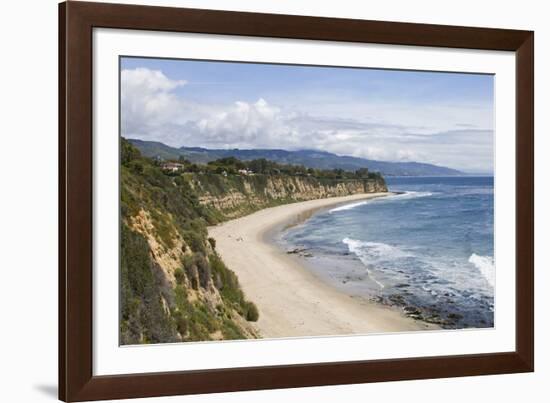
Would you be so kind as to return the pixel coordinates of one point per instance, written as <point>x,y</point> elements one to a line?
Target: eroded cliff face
<point>174,285</point>
<point>189,283</point>
<point>239,195</point>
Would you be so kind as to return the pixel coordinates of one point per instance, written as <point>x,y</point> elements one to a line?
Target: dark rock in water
<point>397,299</point>
<point>434,318</point>
<point>378,299</point>
<point>412,311</point>
<point>299,251</point>
<point>456,316</point>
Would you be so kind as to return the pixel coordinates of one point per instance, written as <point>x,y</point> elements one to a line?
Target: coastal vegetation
<point>315,159</point>
<point>262,166</point>
<point>174,285</point>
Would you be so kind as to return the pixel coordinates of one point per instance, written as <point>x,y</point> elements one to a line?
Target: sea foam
<point>400,196</point>
<point>408,195</point>
<point>347,206</point>
<point>372,253</point>
<point>421,246</point>
<point>485,265</point>
<point>374,250</point>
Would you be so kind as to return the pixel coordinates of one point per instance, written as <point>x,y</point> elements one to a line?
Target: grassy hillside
<point>174,286</point>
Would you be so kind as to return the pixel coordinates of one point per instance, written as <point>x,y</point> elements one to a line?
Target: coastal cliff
<point>237,196</point>
<point>174,285</point>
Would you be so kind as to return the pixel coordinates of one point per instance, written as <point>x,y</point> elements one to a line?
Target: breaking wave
<point>348,206</point>
<point>485,265</point>
<point>371,253</point>
<point>400,196</point>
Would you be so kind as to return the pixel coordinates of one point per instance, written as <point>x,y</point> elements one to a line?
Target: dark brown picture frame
<point>76,23</point>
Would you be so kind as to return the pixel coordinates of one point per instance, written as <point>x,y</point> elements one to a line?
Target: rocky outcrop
<point>174,286</point>
<point>176,265</point>
<point>239,195</point>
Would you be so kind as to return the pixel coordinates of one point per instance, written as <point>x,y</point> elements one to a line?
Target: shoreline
<point>292,300</point>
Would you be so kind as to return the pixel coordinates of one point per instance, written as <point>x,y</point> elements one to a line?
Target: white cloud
<point>154,107</point>
<point>142,80</point>
<point>148,101</point>
<point>244,123</point>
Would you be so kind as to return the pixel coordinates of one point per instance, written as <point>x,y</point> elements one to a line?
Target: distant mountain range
<point>309,158</point>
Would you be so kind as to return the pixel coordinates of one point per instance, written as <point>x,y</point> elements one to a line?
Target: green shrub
<point>227,283</point>
<point>194,241</point>
<point>231,331</point>
<point>143,319</point>
<point>128,152</point>
<point>252,314</point>
<point>179,274</point>
<point>137,166</point>
<point>163,227</point>
<point>194,321</point>
<point>191,270</point>
<point>212,242</point>
<point>205,274</point>
<point>181,323</point>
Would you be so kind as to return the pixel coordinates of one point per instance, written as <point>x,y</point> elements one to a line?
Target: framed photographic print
<point>252,201</point>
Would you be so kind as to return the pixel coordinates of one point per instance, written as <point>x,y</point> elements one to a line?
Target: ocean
<point>428,249</point>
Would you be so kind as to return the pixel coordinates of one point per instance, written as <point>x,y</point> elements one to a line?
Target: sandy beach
<point>291,299</point>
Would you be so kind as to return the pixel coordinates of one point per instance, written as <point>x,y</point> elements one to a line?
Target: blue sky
<point>441,118</point>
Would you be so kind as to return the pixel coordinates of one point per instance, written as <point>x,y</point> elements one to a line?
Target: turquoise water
<point>428,249</point>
